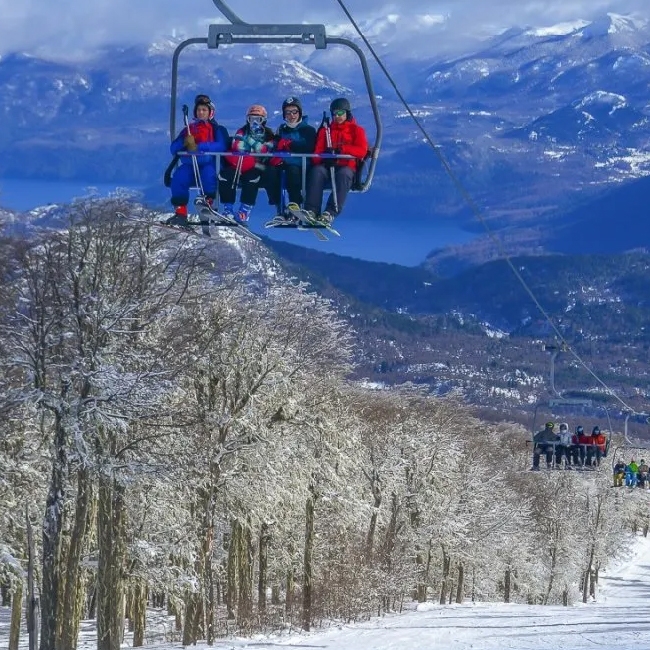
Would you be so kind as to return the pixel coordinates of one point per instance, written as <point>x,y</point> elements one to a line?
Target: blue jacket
<point>303,139</point>
<point>209,136</point>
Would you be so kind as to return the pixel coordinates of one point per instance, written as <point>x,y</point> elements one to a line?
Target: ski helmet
<point>340,104</point>
<point>204,100</point>
<point>292,101</point>
<point>595,430</point>
<point>550,425</point>
<point>258,111</point>
<point>580,429</point>
<point>564,426</point>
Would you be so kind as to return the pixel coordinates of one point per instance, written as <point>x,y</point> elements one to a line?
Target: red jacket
<point>600,441</point>
<point>585,439</point>
<point>245,142</point>
<point>348,137</point>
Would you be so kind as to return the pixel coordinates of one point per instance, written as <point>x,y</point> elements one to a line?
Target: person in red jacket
<point>347,137</point>
<point>253,137</point>
<point>600,443</point>
<point>587,448</point>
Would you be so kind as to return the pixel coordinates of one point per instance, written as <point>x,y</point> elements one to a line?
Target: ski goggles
<point>339,113</point>
<point>255,119</point>
<point>292,111</point>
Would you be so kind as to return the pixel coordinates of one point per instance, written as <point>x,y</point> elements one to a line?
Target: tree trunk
<point>233,543</point>
<point>291,583</point>
<point>375,487</point>
<point>70,612</point>
<point>585,586</point>
<point>245,565</point>
<point>308,564</point>
<point>446,565</point>
<point>139,613</point>
<point>507,586</point>
<point>461,583</point>
<point>52,534</point>
<point>16,611</point>
<point>275,595</point>
<point>262,581</point>
<point>110,570</point>
<point>31,615</point>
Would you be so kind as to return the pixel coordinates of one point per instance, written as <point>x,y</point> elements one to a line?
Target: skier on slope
<point>294,135</point>
<point>205,136</point>
<point>253,137</point>
<point>347,137</point>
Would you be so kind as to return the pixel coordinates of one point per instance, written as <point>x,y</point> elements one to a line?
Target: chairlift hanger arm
<point>228,12</point>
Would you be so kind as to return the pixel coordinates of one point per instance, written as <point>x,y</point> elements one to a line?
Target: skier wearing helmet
<point>204,136</point>
<point>253,137</point>
<point>346,137</point>
<point>294,135</point>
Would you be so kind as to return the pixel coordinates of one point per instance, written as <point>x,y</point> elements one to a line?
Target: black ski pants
<point>292,183</point>
<point>319,176</point>
<point>543,448</point>
<point>250,185</point>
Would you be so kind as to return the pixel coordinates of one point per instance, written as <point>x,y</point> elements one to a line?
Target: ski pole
<point>195,163</point>
<point>235,180</point>
<point>328,140</point>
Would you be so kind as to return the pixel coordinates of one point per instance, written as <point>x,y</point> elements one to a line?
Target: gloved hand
<point>189,142</point>
<point>333,150</point>
<point>283,144</point>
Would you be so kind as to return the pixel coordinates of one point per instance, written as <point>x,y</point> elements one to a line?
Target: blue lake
<point>375,240</point>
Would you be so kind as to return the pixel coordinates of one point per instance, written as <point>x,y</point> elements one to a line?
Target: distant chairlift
<point>631,449</point>
<point>558,400</point>
<point>238,32</point>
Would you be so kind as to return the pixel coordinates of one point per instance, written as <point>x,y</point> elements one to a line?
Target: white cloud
<point>69,26</point>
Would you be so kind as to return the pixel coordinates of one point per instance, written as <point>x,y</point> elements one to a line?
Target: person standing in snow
<point>205,135</point>
<point>253,137</point>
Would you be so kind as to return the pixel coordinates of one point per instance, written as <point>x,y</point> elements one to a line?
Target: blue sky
<point>73,26</point>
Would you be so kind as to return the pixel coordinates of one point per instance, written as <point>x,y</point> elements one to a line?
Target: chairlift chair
<point>239,32</point>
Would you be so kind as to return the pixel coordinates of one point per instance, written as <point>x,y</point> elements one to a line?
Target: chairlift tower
<point>237,31</point>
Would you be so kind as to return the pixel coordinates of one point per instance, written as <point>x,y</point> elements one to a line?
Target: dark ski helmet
<point>341,104</point>
<point>204,100</point>
<point>292,101</point>
<point>580,429</point>
<point>595,430</point>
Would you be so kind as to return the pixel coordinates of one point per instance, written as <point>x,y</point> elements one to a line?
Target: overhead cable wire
<point>462,190</point>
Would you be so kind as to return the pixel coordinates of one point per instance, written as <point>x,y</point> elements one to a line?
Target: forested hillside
<point>414,325</point>
<point>185,433</point>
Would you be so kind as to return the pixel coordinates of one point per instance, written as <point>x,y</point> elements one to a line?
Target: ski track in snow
<point>619,620</point>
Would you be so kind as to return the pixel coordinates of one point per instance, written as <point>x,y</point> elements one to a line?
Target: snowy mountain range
<point>532,121</point>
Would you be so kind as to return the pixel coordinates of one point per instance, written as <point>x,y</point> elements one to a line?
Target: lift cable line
<point>476,210</point>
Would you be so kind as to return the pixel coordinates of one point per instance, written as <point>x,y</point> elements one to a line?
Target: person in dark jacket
<point>347,137</point>
<point>205,136</point>
<point>294,135</point>
<point>544,443</point>
<point>252,138</point>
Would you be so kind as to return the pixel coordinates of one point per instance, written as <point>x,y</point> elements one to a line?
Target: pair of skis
<point>302,220</point>
<point>208,217</point>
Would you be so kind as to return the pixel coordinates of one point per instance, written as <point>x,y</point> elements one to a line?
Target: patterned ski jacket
<point>209,137</point>
<point>300,138</point>
<point>245,141</point>
<point>348,138</point>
